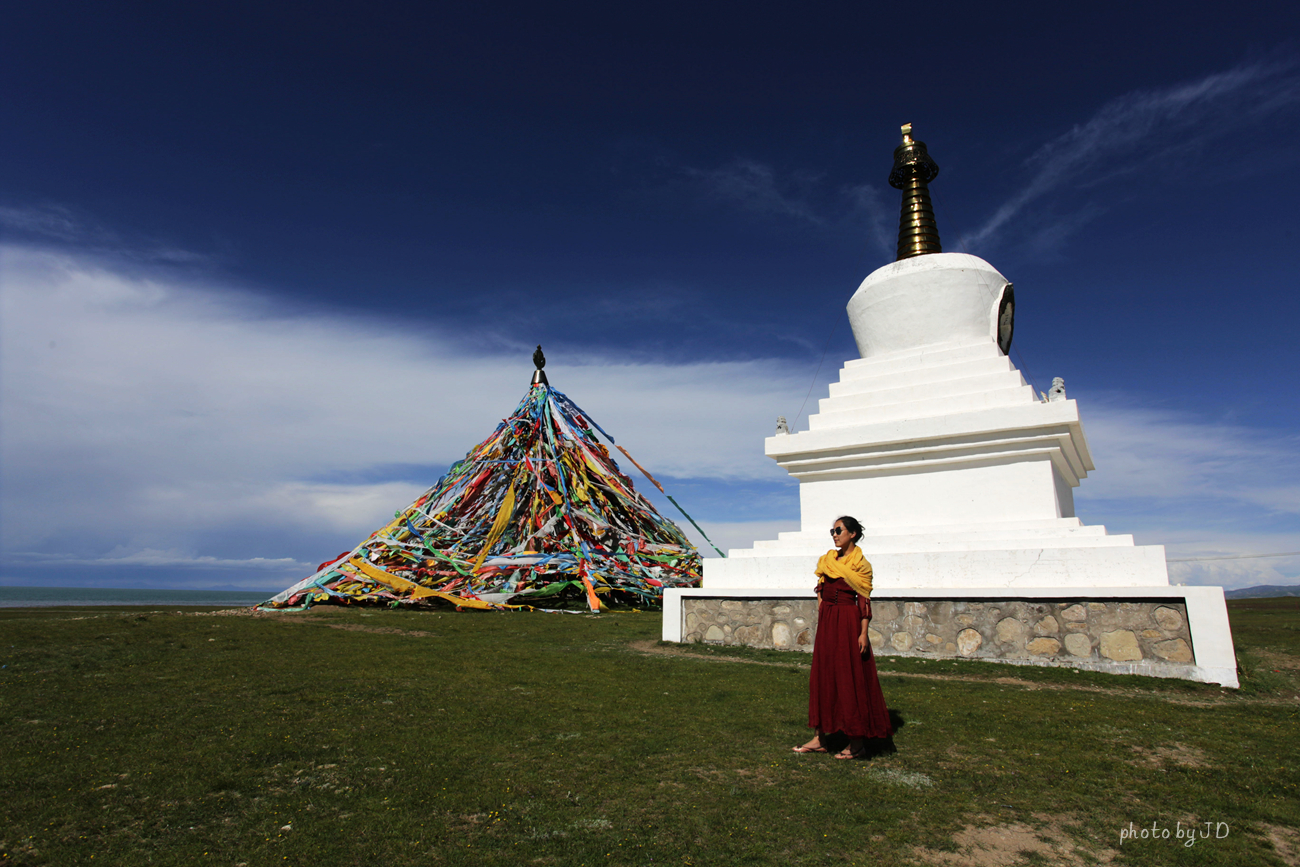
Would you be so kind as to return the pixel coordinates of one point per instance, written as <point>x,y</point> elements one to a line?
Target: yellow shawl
<point>854,569</point>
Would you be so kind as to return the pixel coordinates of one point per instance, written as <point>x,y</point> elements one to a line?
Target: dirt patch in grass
<point>379,630</point>
<point>900,777</point>
<point>1277,660</point>
<point>1175,753</point>
<point>652,648</point>
<point>282,617</point>
<point>988,842</point>
<point>1286,843</point>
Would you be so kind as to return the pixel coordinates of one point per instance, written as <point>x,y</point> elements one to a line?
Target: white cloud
<point>146,413</point>
<point>1202,489</point>
<point>1244,572</point>
<point>156,422</point>
<point>1168,455</point>
<point>733,534</point>
<point>173,557</point>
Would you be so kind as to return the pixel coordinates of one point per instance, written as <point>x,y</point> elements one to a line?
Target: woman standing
<point>845,703</point>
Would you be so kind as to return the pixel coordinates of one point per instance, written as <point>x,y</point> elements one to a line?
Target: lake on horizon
<point>40,597</point>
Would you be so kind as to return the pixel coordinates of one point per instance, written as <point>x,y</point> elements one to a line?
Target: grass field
<point>343,736</point>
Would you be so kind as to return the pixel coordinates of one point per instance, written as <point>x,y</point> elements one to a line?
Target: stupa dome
<point>948,299</point>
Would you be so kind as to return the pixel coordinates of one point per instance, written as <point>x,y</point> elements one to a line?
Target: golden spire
<point>918,233</point>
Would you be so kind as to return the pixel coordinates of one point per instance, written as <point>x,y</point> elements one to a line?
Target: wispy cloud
<point>760,189</point>
<point>63,225</point>
<point>1146,127</point>
<point>1131,133</point>
<point>878,217</point>
<point>49,221</point>
<point>756,187</point>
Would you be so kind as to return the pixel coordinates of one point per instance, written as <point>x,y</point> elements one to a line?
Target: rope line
<point>813,384</point>
<point>1234,557</point>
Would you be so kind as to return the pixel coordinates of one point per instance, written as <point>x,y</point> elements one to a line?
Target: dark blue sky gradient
<point>473,164</point>
<point>687,182</point>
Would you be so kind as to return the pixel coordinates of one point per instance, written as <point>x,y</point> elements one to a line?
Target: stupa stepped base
<point>1169,631</point>
<point>944,379</point>
<point>986,559</point>
<point>1052,528</point>
<point>1038,534</point>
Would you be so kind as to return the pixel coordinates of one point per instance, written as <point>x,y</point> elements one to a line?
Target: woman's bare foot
<point>813,746</point>
<point>855,750</point>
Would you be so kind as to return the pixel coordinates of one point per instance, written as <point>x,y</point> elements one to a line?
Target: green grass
<point>397,737</point>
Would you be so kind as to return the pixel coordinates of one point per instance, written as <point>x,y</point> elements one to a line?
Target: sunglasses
<point>837,530</point>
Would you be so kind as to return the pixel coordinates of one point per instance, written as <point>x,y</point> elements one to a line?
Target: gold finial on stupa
<point>918,233</point>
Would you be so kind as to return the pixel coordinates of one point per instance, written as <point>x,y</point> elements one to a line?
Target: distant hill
<point>1262,592</point>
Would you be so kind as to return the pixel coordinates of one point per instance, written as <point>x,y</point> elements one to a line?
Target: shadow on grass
<point>873,747</point>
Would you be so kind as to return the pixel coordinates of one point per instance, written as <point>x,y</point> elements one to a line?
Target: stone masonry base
<point>1128,636</point>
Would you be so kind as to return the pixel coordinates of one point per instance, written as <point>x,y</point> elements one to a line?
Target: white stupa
<point>963,479</point>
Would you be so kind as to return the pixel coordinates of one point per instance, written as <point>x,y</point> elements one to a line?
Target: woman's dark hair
<point>851,524</point>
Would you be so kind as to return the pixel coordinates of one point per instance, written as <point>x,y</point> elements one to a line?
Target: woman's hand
<point>863,641</point>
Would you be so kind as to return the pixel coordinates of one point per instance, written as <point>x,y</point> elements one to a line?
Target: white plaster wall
<point>961,565</point>
<point>993,540</point>
<point>927,436</point>
<point>1064,494</point>
<point>924,301</point>
<point>1037,533</point>
<point>1024,490</point>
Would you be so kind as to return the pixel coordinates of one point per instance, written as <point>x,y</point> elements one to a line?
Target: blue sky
<point>266,272</point>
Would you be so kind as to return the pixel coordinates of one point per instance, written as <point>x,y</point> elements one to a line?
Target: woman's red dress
<point>844,692</point>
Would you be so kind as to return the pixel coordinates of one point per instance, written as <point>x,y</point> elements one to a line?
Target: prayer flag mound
<point>536,512</point>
